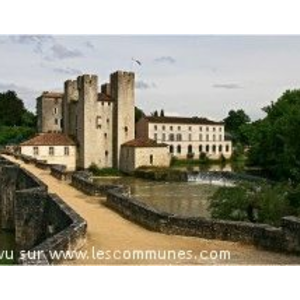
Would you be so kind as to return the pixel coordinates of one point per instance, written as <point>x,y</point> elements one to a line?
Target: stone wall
<point>83,181</point>
<point>60,172</point>
<point>40,220</point>
<point>284,239</point>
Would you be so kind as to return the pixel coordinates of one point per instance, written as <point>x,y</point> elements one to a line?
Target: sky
<point>185,75</point>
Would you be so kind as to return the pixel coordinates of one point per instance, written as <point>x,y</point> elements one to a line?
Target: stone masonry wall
<point>40,220</point>
<point>284,239</point>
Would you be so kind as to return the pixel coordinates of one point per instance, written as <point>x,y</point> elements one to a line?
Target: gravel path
<point>108,231</point>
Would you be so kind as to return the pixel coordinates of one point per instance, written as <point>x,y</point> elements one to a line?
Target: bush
<point>264,203</point>
<point>96,171</point>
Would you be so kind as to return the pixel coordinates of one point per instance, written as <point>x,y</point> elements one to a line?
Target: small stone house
<point>53,148</point>
<point>143,152</point>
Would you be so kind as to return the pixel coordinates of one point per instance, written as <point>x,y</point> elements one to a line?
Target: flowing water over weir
<point>211,178</point>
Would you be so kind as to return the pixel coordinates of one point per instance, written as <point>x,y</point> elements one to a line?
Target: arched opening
<point>190,149</point>
<point>207,148</point>
<point>151,159</point>
<point>172,149</point>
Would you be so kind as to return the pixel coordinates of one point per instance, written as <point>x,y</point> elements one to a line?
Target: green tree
<point>162,113</point>
<point>234,124</point>
<point>11,109</point>
<point>274,144</point>
<point>138,114</point>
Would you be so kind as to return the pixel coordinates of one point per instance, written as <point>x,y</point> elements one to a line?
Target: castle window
<point>190,128</point>
<point>35,150</point>
<point>126,129</point>
<point>207,137</point>
<point>106,153</point>
<point>155,127</point>
<point>207,128</point>
<point>171,128</point>
<point>190,149</point>
<point>171,149</point>
<point>108,103</point>
<point>200,137</point>
<point>220,129</point>
<point>163,136</point>
<point>171,137</point>
<point>179,137</point>
<point>200,128</point>
<point>105,135</point>
<point>164,128</point>
<point>190,136</point>
<point>151,159</point>
<point>179,128</point>
<point>214,137</point>
<point>55,110</point>
<point>200,148</point>
<point>98,122</point>
<point>107,121</point>
<point>220,148</point>
<point>207,148</point>
<point>56,121</point>
<point>227,148</point>
<point>66,151</point>
<point>51,151</point>
<point>155,136</point>
<point>178,149</point>
<point>214,128</point>
<point>220,137</point>
<point>102,103</point>
<point>214,148</point>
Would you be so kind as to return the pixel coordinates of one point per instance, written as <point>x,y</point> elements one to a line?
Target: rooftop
<point>52,94</point>
<point>104,97</point>
<point>49,139</point>
<point>182,120</point>
<point>144,143</point>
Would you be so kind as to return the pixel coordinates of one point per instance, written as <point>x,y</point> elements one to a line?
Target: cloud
<point>142,85</point>
<point>68,71</point>
<point>58,52</point>
<point>229,86</point>
<point>165,59</point>
<point>37,41</point>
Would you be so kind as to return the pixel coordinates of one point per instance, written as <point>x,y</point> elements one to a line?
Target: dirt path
<point>108,231</point>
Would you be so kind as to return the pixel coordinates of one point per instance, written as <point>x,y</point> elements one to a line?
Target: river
<point>180,198</point>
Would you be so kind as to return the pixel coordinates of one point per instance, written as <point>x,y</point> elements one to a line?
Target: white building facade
<point>53,148</point>
<point>187,137</point>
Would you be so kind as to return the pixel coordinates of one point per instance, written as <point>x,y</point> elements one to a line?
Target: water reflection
<point>180,198</point>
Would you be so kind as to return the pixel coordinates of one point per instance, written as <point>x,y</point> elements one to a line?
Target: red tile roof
<point>142,142</point>
<point>104,97</point>
<point>50,139</point>
<point>182,120</point>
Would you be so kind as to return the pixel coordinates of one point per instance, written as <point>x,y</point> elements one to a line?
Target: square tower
<point>122,93</point>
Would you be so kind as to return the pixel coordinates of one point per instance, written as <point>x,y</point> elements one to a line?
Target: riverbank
<point>108,231</point>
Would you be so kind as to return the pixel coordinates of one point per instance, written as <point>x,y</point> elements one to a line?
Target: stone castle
<point>98,121</point>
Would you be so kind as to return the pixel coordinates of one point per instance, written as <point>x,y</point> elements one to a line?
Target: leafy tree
<point>138,114</point>
<point>154,113</point>
<point>11,109</point>
<point>234,123</point>
<point>274,144</point>
<point>162,113</point>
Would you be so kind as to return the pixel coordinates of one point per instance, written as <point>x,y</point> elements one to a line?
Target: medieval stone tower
<point>122,93</point>
<point>49,112</point>
<point>99,122</point>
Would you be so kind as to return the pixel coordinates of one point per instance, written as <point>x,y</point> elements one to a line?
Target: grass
<point>104,172</point>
